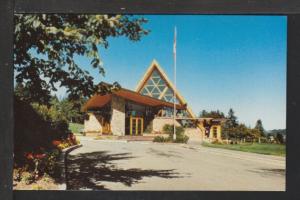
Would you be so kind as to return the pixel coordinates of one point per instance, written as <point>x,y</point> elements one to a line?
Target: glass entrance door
<point>136,125</point>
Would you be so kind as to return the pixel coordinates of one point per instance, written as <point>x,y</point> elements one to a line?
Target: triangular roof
<point>155,65</point>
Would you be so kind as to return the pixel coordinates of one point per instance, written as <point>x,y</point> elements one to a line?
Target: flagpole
<point>174,98</point>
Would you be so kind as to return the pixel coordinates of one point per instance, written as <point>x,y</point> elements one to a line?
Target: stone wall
<point>194,134</point>
<point>159,122</point>
<point>118,116</point>
<point>92,126</point>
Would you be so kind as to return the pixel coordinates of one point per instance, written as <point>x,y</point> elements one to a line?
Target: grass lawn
<point>268,149</point>
<point>75,128</point>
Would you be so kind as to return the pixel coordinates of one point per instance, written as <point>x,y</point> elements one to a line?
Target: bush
<point>32,131</point>
<point>65,143</point>
<point>180,136</point>
<point>160,139</point>
<point>169,129</point>
<point>216,142</point>
<point>38,141</point>
<point>38,138</point>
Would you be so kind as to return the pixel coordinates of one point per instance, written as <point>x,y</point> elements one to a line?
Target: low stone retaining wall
<point>62,165</point>
<point>92,134</point>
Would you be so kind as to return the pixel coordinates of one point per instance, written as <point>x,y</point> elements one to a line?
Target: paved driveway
<point>119,165</point>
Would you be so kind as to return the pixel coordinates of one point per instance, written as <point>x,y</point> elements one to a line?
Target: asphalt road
<point>120,165</point>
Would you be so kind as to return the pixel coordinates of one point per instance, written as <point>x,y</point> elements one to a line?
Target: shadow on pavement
<point>88,170</point>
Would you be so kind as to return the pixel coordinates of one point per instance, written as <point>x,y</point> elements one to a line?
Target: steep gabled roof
<point>155,66</point>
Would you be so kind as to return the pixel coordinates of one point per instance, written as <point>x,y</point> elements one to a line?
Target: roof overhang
<point>99,101</point>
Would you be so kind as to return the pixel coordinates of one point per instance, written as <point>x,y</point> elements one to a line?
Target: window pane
<point>156,80</point>
<point>161,82</point>
<point>144,91</point>
<point>155,96</point>
<point>161,88</point>
<point>150,82</point>
<point>155,90</point>
<point>155,74</point>
<point>150,88</point>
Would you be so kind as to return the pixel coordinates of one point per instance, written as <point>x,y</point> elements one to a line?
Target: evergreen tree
<point>232,119</point>
<point>203,113</point>
<point>260,128</point>
<point>212,114</point>
<point>279,138</point>
<point>229,128</point>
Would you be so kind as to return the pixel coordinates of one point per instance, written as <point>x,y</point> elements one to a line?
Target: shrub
<point>33,138</point>
<point>160,139</point>
<point>216,142</point>
<point>180,136</point>
<point>169,129</point>
<point>28,178</point>
<point>65,143</point>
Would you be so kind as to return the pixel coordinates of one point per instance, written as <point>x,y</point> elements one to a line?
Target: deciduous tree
<point>46,45</point>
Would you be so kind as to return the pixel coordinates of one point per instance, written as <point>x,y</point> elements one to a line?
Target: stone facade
<point>92,126</point>
<point>159,122</point>
<point>194,134</point>
<point>118,116</point>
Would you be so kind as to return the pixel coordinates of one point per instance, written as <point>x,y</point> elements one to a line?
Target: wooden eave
<point>98,101</point>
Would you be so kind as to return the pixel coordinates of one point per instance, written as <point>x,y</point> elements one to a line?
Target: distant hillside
<point>275,131</point>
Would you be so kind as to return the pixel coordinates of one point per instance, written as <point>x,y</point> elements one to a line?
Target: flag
<point>174,44</point>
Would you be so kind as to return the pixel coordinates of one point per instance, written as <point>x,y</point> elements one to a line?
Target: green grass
<point>268,149</point>
<point>75,128</point>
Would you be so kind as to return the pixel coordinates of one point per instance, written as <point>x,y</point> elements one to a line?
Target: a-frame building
<point>146,110</point>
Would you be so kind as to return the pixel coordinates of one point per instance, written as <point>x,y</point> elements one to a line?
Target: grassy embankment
<point>268,149</point>
<point>75,128</point>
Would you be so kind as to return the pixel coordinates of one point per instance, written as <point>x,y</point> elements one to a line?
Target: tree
<point>212,114</point>
<point>71,109</point>
<point>61,110</point>
<point>46,44</point>
<point>203,113</point>
<point>232,119</point>
<point>230,125</point>
<point>255,133</point>
<point>279,138</point>
<point>260,128</point>
<point>242,131</point>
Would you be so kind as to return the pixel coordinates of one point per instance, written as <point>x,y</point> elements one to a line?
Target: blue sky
<point>223,62</point>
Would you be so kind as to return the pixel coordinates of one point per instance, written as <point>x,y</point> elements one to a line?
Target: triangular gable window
<point>161,87</point>
<point>156,85</point>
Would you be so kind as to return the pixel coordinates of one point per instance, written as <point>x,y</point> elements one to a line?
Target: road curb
<point>63,166</point>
